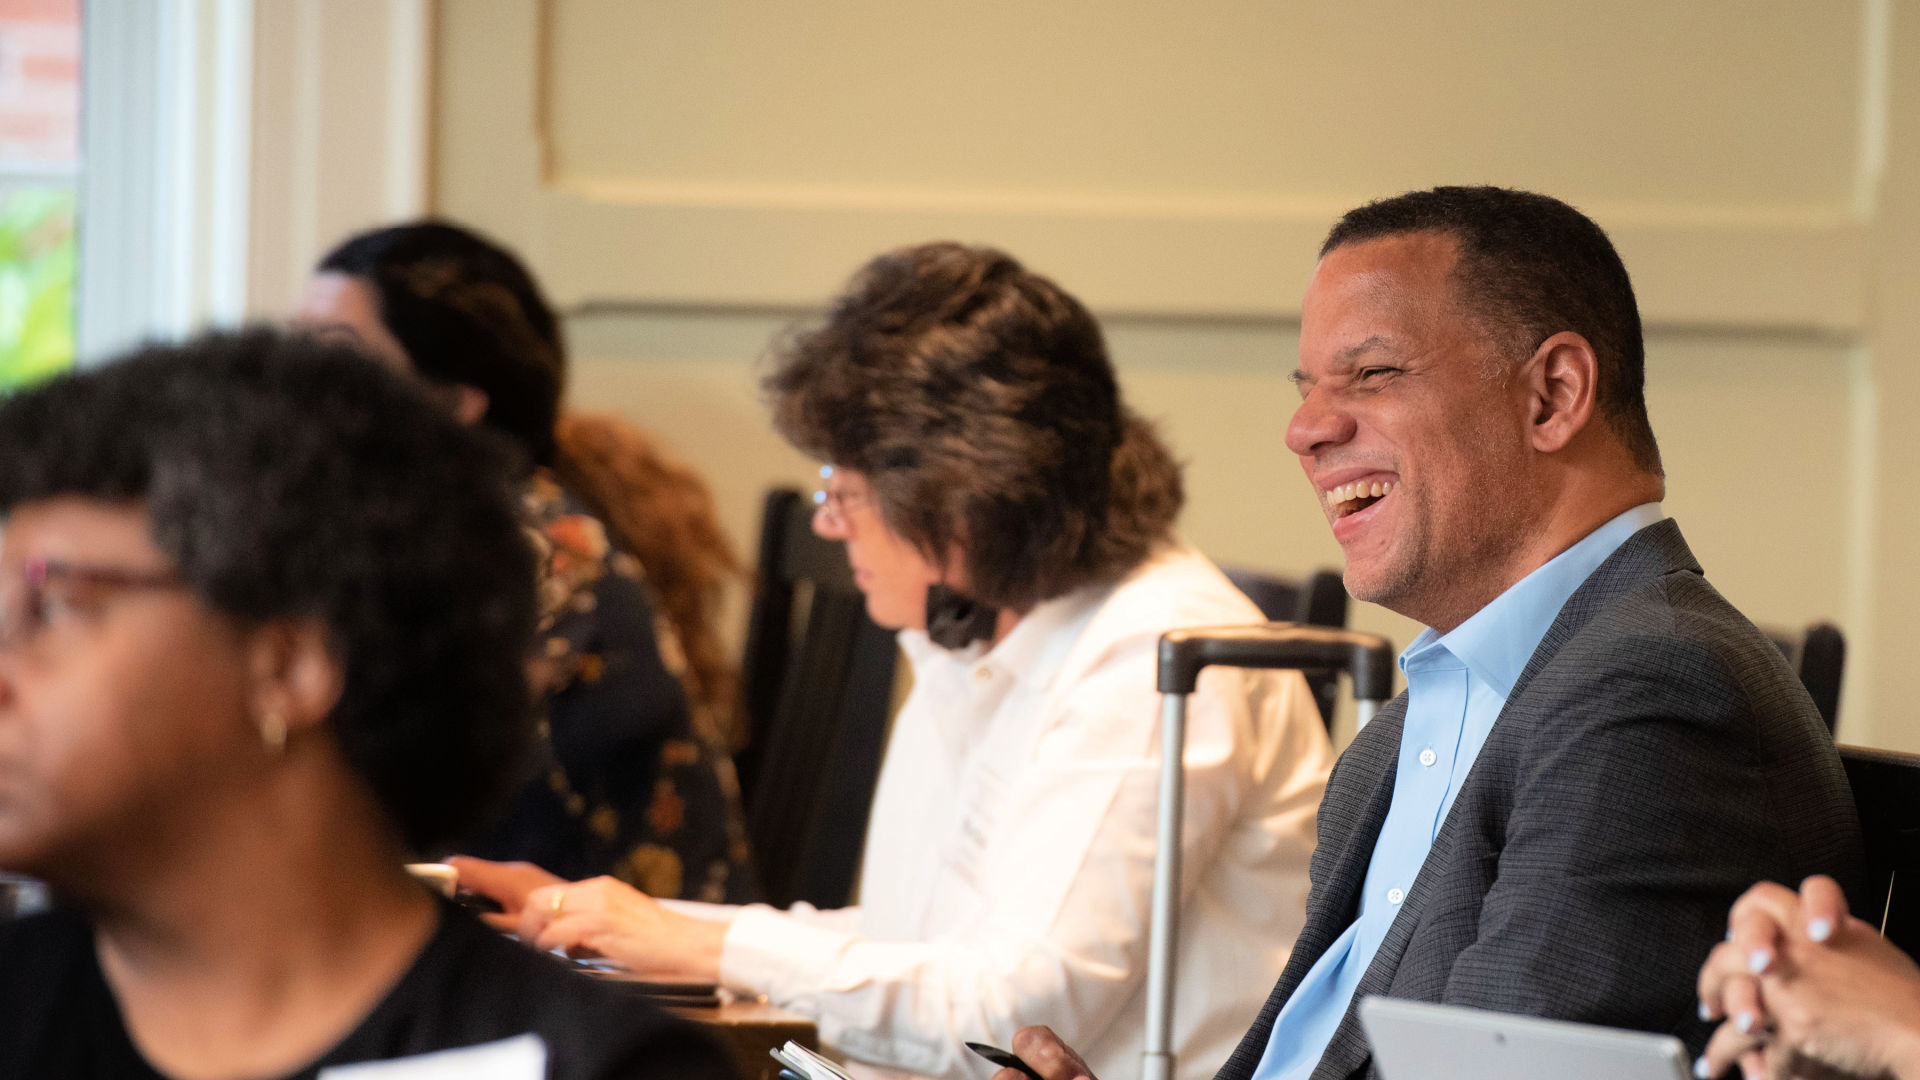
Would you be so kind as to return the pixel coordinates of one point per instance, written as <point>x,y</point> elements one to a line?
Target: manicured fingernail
<point>1758,960</point>
<point>1705,1013</point>
<point>1744,1022</point>
<point>1700,1068</point>
<point>1820,929</point>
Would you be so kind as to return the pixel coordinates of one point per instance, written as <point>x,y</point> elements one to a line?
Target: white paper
<point>523,1057</point>
<point>809,1064</point>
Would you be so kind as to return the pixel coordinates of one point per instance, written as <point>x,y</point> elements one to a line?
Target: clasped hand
<point>1805,990</point>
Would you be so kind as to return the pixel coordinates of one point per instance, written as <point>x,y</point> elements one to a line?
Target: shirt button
<point>1394,896</point>
<point>983,674</point>
<point>1428,757</point>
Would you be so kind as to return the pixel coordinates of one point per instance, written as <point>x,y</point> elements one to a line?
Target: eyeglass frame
<point>830,508</point>
<point>23,615</point>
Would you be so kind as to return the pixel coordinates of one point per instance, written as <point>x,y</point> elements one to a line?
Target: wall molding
<point>1793,269</point>
<point>1701,273</point>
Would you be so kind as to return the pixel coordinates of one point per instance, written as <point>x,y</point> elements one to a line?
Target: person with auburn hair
<point>662,511</point>
<point>1005,510</point>
<point>634,776</point>
<point>265,612</point>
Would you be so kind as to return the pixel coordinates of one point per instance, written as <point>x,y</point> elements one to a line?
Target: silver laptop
<point>1413,1040</point>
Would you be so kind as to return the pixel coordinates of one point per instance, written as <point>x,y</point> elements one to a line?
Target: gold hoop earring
<point>273,731</point>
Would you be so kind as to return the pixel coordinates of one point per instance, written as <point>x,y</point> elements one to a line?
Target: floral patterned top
<point>627,779</point>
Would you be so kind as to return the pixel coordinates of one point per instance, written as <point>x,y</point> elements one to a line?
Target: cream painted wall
<point>339,131</point>
<point>1220,393</point>
<point>690,178</point>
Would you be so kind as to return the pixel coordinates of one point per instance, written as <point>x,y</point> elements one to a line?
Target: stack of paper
<point>807,1065</point>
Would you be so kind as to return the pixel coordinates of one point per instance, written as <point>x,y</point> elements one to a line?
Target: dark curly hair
<point>1531,266</point>
<point>467,312</point>
<point>288,478</point>
<point>978,399</point>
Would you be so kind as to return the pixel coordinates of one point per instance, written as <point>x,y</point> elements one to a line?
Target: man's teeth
<point>1363,490</point>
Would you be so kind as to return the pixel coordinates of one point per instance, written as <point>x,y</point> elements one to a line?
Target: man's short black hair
<point>1530,267</point>
<point>467,312</point>
<point>288,478</point>
<point>978,398</point>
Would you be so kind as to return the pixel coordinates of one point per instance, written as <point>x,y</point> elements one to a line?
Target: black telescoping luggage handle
<point>1366,658</point>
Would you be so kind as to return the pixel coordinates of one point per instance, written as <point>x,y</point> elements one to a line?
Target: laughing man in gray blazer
<point>1597,753</point>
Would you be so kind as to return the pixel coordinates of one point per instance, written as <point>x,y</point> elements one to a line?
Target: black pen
<point>1003,1058</point>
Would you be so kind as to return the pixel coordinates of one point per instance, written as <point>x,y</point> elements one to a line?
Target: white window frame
<point>215,168</point>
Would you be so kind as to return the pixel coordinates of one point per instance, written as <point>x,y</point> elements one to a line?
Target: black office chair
<point>1818,655</point>
<point>817,680</point>
<point>1320,600</point>
<point>1886,792</point>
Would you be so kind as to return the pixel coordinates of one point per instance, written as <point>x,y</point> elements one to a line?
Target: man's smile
<point>1352,498</point>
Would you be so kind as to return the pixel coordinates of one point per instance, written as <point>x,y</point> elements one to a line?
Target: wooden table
<point>748,1029</point>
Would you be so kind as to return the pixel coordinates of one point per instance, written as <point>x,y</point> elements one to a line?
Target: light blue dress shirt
<point>1457,684</point>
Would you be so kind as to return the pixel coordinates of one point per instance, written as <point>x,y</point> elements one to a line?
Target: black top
<point>58,1019</point>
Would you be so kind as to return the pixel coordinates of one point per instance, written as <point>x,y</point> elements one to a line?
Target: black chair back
<point>1818,655</point>
<point>1320,600</point>
<point>1886,792</point>
<point>817,680</point>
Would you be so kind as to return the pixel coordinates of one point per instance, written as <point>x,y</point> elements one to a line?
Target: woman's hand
<point>1808,991</point>
<point>506,884</point>
<point>605,917</point>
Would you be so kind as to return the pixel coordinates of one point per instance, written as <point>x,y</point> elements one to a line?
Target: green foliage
<point>36,285</point>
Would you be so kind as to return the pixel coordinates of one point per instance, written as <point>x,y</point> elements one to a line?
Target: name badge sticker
<point>523,1057</point>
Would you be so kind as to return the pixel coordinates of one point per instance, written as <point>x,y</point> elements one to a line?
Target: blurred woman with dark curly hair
<point>1007,512</point>
<point>634,776</point>
<point>265,611</point>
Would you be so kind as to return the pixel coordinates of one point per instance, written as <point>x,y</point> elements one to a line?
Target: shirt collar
<point>1496,642</point>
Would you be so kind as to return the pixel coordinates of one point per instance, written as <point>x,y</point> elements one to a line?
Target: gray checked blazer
<point>1656,757</point>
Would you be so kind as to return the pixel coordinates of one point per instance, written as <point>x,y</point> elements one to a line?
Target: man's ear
<point>294,679</point>
<point>1562,379</point>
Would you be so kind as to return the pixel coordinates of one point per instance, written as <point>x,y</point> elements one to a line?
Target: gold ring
<point>559,901</point>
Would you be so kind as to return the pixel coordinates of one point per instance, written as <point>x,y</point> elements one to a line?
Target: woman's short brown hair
<point>978,399</point>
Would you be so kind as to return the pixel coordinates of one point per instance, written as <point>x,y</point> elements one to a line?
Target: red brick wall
<point>39,83</point>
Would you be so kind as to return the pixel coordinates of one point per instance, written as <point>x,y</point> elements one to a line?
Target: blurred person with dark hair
<point>634,776</point>
<point>1005,510</point>
<point>265,612</point>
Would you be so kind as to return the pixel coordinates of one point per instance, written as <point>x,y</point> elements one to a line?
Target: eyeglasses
<point>831,505</point>
<point>49,592</point>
